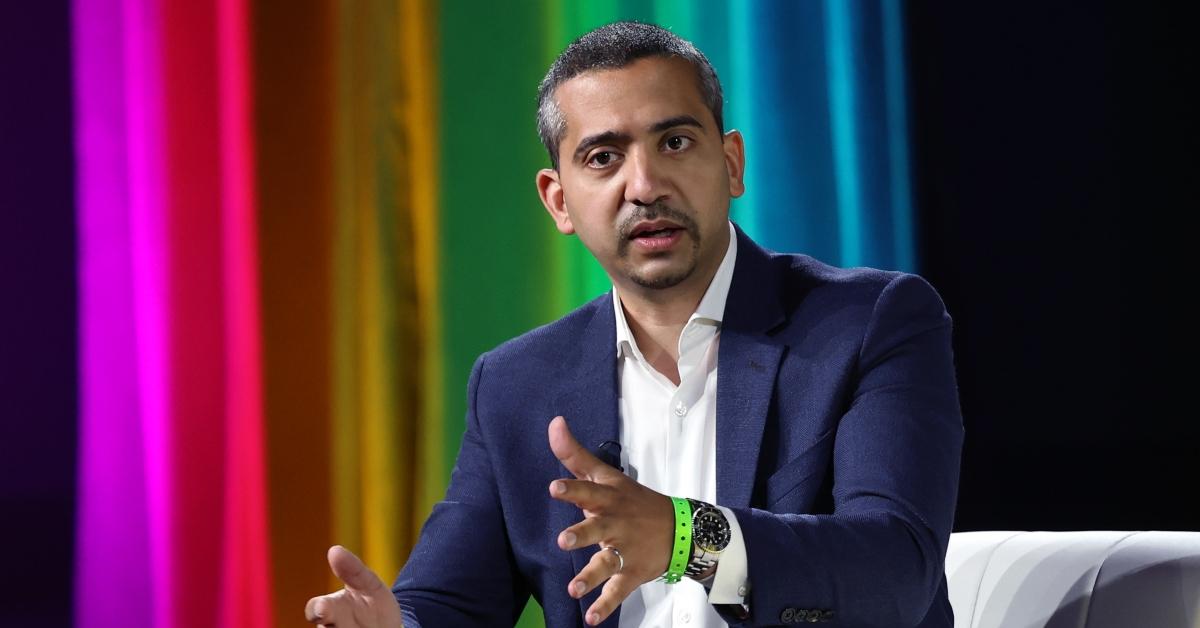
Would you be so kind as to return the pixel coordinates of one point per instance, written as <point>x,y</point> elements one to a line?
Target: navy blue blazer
<point>839,435</point>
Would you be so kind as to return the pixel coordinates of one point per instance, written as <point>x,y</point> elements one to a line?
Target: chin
<point>666,278</point>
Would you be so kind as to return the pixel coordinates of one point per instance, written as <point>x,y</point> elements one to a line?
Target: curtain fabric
<point>299,223</point>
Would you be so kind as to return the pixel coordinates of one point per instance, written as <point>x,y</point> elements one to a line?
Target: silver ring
<point>621,559</point>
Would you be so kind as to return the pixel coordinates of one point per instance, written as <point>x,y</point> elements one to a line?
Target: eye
<point>676,143</point>
<point>601,159</point>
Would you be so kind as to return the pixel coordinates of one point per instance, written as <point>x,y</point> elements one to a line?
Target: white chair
<point>1074,579</point>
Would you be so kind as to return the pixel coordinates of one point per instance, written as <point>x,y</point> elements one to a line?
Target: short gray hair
<point>611,47</point>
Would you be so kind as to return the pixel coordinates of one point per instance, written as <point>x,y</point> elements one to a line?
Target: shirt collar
<point>711,309</point>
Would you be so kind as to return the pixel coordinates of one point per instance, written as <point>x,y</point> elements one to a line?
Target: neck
<point>656,318</point>
<point>656,328</point>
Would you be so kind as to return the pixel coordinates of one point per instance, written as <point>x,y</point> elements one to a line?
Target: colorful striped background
<point>299,222</point>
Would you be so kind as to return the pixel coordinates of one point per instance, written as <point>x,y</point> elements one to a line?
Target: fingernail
<point>568,539</point>
<point>560,487</point>
<point>594,619</point>
<point>579,587</point>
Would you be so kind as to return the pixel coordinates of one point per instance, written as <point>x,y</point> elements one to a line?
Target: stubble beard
<point>653,212</point>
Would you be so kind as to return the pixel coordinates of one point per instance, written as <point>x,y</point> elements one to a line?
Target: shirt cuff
<point>729,585</point>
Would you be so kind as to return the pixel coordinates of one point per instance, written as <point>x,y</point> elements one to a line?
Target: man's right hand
<point>366,602</point>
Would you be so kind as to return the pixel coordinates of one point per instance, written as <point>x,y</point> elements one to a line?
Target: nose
<point>645,182</point>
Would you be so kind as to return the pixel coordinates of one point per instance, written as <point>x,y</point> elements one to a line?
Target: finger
<point>583,493</point>
<point>615,591</point>
<point>574,456</point>
<point>324,609</point>
<point>583,534</point>
<point>591,531</point>
<point>351,571</point>
<point>603,565</point>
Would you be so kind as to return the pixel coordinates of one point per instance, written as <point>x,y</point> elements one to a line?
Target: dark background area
<point>37,311</point>
<point>1021,125</point>
<point>1033,127</point>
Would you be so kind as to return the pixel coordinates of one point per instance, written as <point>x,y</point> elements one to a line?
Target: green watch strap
<point>681,552</point>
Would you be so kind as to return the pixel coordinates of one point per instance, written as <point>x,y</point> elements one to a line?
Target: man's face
<point>645,178</point>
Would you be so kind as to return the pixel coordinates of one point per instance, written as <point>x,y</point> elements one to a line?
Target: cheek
<point>707,186</point>
<point>720,174</point>
<point>595,203</point>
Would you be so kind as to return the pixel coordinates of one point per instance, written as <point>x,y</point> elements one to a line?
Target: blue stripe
<point>897,121</point>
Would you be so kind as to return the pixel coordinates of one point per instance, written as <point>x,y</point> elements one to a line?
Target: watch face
<point>710,530</point>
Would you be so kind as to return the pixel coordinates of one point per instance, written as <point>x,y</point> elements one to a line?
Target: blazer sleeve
<point>878,559</point>
<point>462,571</point>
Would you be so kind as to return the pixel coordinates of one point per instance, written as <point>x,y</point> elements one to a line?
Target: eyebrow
<point>614,137</point>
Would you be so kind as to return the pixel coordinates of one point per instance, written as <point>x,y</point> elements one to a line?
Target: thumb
<point>352,572</point>
<point>571,454</point>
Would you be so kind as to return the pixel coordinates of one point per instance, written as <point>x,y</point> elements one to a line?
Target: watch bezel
<point>711,531</point>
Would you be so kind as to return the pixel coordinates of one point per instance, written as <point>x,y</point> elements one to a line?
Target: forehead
<point>631,98</point>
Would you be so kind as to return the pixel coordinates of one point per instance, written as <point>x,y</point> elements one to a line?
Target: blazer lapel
<point>589,404</point>
<point>589,399</point>
<point>747,364</point>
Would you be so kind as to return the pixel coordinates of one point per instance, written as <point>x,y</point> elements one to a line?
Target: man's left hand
<point>619,513</point>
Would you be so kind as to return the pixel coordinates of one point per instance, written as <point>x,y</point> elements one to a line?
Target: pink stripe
<point>196,443</point>
<point>246,599</point>
<point>146,146</point>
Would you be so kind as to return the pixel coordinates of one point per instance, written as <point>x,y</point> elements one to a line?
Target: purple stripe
<point>122,403</point>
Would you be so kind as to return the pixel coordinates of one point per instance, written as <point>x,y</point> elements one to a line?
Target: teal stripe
<point>903,238</point>
<point>739,99</point>
<point>678,16</point>
<point>842,106</point>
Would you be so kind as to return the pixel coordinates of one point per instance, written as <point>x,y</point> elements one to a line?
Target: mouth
<point>654,229</point>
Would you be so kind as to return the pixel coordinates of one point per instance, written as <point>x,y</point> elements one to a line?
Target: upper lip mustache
<point>652,225</point>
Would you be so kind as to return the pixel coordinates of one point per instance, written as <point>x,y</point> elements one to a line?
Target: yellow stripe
<point>382,482</point>
<point>420,119</point>
<point>387,427</point>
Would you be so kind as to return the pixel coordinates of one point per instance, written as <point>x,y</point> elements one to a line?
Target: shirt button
<point>742,591</point>
<point>685,617</point>
<point>681,409</point>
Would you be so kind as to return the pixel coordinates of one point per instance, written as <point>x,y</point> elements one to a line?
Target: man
<point>781,437</point>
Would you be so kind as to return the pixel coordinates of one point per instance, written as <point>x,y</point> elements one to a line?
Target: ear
<point>735,162</point>
<point>551,193</point>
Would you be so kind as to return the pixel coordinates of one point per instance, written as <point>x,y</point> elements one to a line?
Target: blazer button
<point>788,615</point>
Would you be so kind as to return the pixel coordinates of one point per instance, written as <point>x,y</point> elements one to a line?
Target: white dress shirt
<point>668,443</point>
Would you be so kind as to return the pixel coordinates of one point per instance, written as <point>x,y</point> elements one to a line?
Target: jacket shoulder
<point>549,343</point>
<point>812,287</point>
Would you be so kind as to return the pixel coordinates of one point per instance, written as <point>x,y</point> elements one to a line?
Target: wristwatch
<point>710,537</point>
